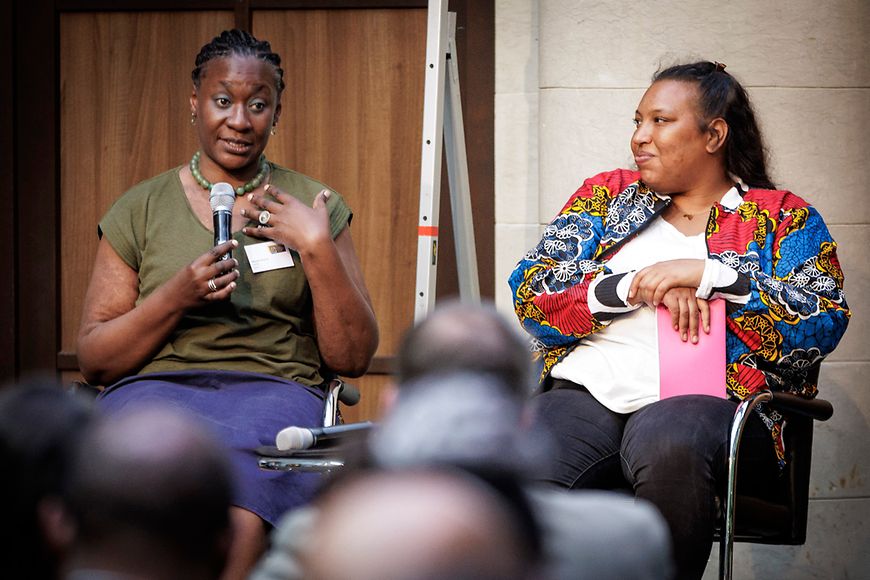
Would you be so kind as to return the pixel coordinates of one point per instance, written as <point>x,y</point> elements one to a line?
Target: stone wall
<point>569,74</point>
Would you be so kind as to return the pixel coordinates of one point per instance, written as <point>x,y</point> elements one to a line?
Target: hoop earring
<point>193,118</point>
<point>273,130</point>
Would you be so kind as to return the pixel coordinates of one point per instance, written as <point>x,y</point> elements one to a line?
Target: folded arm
<point>800,290</point>
<point>562,292</point>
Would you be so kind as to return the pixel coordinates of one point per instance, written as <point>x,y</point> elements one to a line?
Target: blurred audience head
<point>419,525</point>
<point>460,419</point>
<point>443,496</point>
<point>461,396</point>
<point>40,425</point>
<point>466,337</point>
<point>150,493</point>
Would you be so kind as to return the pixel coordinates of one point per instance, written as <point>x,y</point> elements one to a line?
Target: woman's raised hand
<point>288,221</point>
<point>207,278</point>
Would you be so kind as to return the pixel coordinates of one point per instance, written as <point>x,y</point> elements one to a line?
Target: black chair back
<point>781,517</point>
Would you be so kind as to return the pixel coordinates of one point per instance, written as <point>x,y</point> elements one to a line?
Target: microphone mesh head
<point>222,197</point>
<point>294,438</point>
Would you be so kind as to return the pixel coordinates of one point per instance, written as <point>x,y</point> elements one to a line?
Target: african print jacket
<point>792,312</point>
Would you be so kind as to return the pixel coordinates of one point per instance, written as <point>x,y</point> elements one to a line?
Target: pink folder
<point>692,369</point>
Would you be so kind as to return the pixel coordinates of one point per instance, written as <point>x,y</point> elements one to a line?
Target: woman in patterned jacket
<point>700,219</point>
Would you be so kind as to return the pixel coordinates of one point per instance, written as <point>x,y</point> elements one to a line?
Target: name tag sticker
<point>268,256</point>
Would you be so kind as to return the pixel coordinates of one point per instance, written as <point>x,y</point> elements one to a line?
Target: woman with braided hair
<point>698,219</point>
<point>247,343</point>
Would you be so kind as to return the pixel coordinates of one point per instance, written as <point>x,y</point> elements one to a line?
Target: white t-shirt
<point>619,365</point>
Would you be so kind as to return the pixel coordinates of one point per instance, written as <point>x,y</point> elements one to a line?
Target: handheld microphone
<point>297,438</point>
<point>221,199</point>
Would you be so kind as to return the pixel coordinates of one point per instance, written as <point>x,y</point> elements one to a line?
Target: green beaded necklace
<point>240,190</point>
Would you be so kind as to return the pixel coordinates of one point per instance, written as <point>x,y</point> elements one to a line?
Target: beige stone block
<point>818,143</point>
<point>852,244</point>
<point>815,137</point>
<point>838,534</point>
<point>516,46</point>
<point>516,158</point>
<point>582,133</point>
<point>841,464</point>
<point>621,43</point>
<point>512,241</point>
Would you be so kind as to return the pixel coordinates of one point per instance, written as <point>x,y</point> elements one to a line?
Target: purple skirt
<point>244,411</point>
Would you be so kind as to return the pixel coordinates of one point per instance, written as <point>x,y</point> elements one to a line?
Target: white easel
<point>442,115</point>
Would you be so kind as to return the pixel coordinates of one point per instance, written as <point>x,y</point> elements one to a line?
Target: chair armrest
<point>348,394</point>
<point>818,409</point>
<point>338,392</point>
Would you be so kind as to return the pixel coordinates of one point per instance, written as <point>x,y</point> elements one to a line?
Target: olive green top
<point>266,326</point>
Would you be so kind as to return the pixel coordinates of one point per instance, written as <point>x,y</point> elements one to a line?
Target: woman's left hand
<point>688,313</point>
<point>344,321</point>
<point>652,283</point>
<point>288,221</point>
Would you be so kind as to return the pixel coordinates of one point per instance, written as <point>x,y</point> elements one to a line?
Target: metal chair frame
<point>794,510</point>
<point>315,460</point>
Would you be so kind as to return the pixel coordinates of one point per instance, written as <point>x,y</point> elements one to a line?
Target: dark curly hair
<point>720,95</point>
<point>240,43</point>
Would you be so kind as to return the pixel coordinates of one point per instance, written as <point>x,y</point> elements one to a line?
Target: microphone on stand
<point>298,438</point>
<point>221,199</point>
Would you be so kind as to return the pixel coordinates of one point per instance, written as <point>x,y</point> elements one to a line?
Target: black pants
<point>672,453</point>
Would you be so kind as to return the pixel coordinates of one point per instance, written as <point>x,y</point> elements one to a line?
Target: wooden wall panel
<point>125,84</point>
<point>36,217</point>
<point>369,407</point>
<point>352,117</point>
<point>8,314</point>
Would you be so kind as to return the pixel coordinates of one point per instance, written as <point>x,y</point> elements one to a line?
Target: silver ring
<point>265,216</point>
<point>212,286</point>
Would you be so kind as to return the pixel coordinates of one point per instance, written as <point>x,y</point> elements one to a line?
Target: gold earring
<point>193,118</point>
<point>273,130</point>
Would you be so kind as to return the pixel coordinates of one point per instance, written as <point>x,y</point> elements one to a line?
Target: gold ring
<point>212,286</point>
<point>264,217</point>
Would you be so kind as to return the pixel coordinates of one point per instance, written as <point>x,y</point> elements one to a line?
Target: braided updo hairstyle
<point>238,43</point>
<point>720,95</point>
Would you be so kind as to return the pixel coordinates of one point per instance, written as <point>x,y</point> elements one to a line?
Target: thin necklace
<point>240,190</point>
<point>691,216</point>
